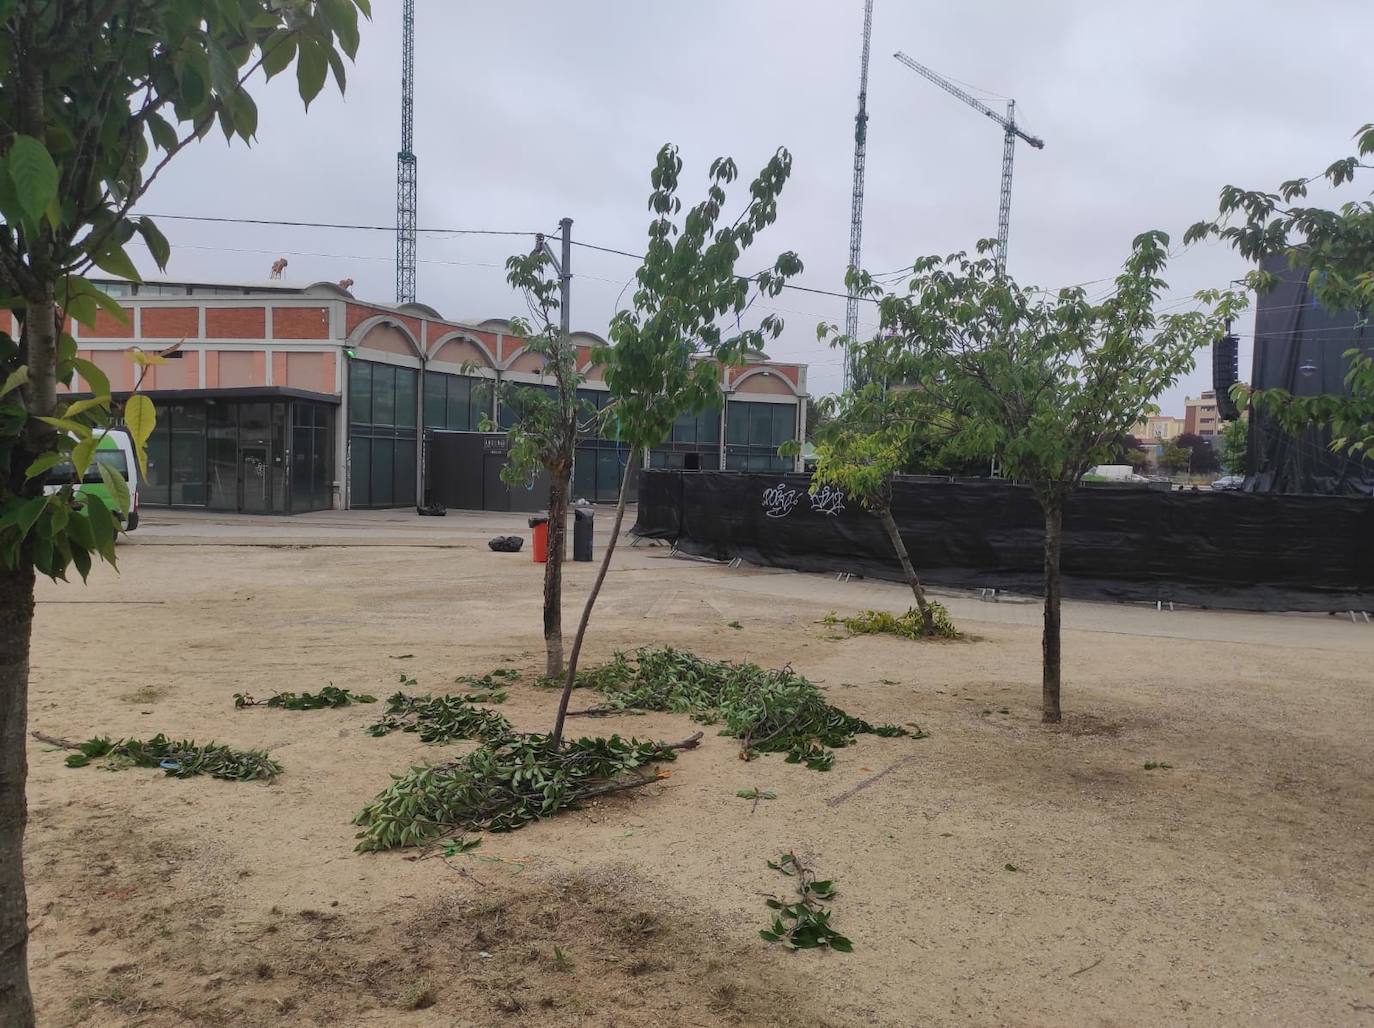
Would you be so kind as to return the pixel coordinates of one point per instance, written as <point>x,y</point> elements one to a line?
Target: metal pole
<point>565,281</point>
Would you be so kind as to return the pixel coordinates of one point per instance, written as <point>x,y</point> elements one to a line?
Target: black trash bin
<point>583,519</point>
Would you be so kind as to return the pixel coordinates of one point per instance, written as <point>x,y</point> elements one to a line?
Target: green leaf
<point>277,53</point>
<point>34,175</point>
<point>95,378</point>
<point>76,286</point>
<point>164,135</point>
<point>311,68</point>
<point>43,463</point>
<point>224,73</point>
<point>82,455</point>
<point>16,378</point>
<point>28,513</point>
<point>119,489</point>
<point>157,242</point>
<point>114,260</point>
<point>82,406</point>
<point>76,428</point>
<point>140,418</point>
<point>103,528</point>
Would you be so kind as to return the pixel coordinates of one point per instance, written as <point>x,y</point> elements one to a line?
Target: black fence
<point>1242,551</point>
<point>463,472</point>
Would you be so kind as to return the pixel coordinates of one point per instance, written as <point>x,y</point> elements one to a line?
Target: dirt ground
<point>1231,886</point>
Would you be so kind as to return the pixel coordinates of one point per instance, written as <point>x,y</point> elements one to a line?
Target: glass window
<point>784,423</point>
<point>479,404</point>
<point>322,463</point>
<point>383,470</point>
<point>360,471</point>
<point>708,426</point>
<point>737,423</point>
<point>407,380</point>
<point>434,401</point>
<point>584,473</point>
<point>302,453</point>
<point>188,455</point>
<point>221,457</point>
<point>405,471</point>
<point>383,394</point>
<point>156,487</point>
<point>360,392</point>
<point>459,394</point>
<point>760,424</point>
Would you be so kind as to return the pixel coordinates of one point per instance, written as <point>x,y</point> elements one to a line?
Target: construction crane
<point>1010,132</point>
<point>856,206</point>
<point>406,170</point>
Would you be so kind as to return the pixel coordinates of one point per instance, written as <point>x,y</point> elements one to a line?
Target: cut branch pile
<point>328,698</point>
<point>443,718</point>
<point>908,625</point>
<point>506,784</point>
<point>184,759</point>
<point>768,711</point>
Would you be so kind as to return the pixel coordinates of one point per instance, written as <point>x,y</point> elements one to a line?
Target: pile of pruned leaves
<point>443,718</point>
<point>768,711</point>
<point>184,759</point>
<point>909,625</point>
<point>504,785</point>
<point>329,698</point>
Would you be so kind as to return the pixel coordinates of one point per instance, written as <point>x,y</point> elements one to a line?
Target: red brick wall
<point>170,322</point>
<point>106,327</point>
<point>300,323</point>
<point>235,323</point>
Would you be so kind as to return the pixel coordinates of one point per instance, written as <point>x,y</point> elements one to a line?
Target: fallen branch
<point>53,740</point>
<point>1088,968</point>
<point>835,801</point>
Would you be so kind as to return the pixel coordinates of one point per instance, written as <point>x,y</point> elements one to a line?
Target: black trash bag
<point>506,543</point>
<point>433,510</point>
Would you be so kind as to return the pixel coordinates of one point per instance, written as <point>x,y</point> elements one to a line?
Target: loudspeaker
<point>1225,373</point>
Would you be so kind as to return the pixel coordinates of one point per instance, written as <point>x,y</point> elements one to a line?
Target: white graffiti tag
<point>779,501</point>
<point>828,500</point>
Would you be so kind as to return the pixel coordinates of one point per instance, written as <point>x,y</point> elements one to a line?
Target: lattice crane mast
<point>406,165</point>
<point>1010,132</point>
<point>856,205</point>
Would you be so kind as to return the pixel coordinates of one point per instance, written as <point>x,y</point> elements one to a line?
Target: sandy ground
<point>1230,888</point>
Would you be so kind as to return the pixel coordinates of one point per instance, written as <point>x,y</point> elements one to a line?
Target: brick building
<point>284,399</point>
<point>1200,415</point>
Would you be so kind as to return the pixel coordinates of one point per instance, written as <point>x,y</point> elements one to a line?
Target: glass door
<point>255,458</point>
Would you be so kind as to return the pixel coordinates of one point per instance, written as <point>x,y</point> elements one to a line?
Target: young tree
<point>1336,249</point>
<point>667,347</point>
<point>870,435</point>
<point>1235,452</point>
<point>1046,383</point>
<point>1200,458</point>
<point>1175,458</point>
<point>546,428</point>
<point>96,99</point>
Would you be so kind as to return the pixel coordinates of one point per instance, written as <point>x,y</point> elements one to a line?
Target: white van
<point>116,451</point>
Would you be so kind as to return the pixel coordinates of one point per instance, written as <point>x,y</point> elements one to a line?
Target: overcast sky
<point>530,111</point>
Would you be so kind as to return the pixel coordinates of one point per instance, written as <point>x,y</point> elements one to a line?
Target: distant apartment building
<point>286,398</point>
<point>1200,415</point>
<point>1156,432</point>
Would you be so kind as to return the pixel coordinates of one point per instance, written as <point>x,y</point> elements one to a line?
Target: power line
<point>334,225</point>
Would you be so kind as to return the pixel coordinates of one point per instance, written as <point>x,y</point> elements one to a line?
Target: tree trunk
<point>553,576</point>
<point>571,675</point>
<point>16,623</point>
<point>1054,532</point>
<point>912,579</point>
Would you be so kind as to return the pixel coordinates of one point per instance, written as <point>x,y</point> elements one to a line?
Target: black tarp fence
<point>1300,346</point>
<point>1240,551</point>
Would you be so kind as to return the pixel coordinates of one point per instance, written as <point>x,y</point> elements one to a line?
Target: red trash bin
<point>539,547</point>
